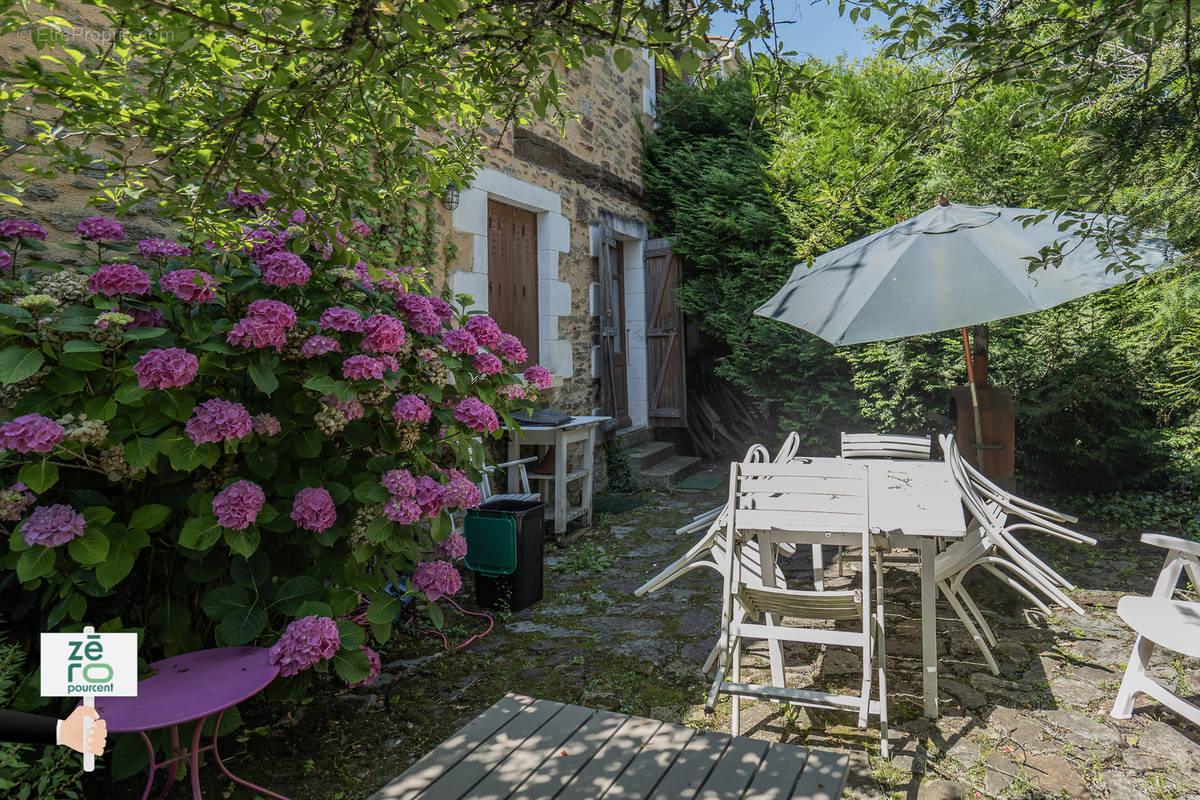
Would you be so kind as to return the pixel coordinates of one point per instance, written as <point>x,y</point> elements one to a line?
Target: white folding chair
<point>799,503</point>
<point>1161,621</point>
<point>526,495</point>
<point>885,445</point>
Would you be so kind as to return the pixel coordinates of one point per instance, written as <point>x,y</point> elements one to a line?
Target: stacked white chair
<point>799,503</point>
<point>1161,621</point>
<point>991,543</point>
<point>525,495</point>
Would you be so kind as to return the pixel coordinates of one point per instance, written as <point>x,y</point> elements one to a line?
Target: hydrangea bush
<point>240,441</point>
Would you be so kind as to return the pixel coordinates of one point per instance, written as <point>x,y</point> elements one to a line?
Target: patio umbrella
<point>950,267</point>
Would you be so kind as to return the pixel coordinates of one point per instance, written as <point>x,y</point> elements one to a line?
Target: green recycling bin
<point>505,550</point>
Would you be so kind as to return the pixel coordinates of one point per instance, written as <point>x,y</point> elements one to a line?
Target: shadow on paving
<point>1040,730</point>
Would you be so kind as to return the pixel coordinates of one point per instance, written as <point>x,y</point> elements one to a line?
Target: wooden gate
<point>665,352</point>
<point>513,273</point>
<point>614,384</point>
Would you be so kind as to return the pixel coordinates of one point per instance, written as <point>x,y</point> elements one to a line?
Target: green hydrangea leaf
<point>18,363</point>
<point>39,476</point>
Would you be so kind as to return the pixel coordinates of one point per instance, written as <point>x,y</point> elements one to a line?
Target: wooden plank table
<point>527,749</point>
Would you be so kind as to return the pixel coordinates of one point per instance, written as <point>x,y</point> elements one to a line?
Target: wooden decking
<point>527,749</point>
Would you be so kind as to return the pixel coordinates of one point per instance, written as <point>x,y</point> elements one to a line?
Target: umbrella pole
<point>974,398</point>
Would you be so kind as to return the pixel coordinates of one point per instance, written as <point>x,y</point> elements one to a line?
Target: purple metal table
<point>190,688</point>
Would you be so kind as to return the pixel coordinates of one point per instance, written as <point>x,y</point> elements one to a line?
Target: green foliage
<point>619,469</point>
<point>156,555</point>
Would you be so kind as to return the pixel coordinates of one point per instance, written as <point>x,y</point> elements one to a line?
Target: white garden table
<point>915,503</point>
<point>577,430</point>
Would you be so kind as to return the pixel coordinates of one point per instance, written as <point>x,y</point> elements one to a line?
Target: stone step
<point>668,472</point>
<point>647,454</point>
<point>633,436</point>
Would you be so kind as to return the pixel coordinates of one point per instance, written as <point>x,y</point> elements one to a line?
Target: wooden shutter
<point>613,391</point>
<point>665,354</point>
<point>513,273</point>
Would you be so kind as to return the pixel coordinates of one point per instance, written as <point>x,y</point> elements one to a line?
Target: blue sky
<point>817,29</point>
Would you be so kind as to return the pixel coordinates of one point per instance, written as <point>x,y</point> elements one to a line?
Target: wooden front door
<point>665,352</point>
<point>513,274</point>
<point>614,383</point>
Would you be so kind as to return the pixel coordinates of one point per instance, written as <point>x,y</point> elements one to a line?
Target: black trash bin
<point>524,585</point>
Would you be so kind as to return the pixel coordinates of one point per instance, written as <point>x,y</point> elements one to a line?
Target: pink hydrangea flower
<point>399,482</point>
<point>238,504</point>
<point>189,285</point>
<point>512,391</point>
<point>452,547</point>
<point>22,229</point>
<point>266,241</point>
<point>361,368</point>
<point>145,318</point>
<point>31,433</point>
<point>477,415</point>
<point>460,340</point>
<point>352,409</point>
<point>313,509</point>
<point>413,305</point>
<point>539,376</point>
<point>298,217</point>
<point>265,425</point>
<point>510,349</point>
<point>319,346</point>
<point>461,492</point>
<point>53,525</point>
<point>426,324</point>
<point>360,228</point>
<point>341,319</point>
<point>488,364</point>
<point>273,312</point>
<point>253,332</point>
<point>166,367</point>
<point>411,407</point>
<point>403,510</point>
<point>385,334</point>
<point>6,259</point>
<point>163,248</point>
<point>441,308</point>
<point>113,279</point>
<point>99,229</point>
<point>373,667</point>
<point>14,500</point>
<point>218,420</point>
<point>484,329</point>
<point>436,579</point>
<point>429,493</point>
<point>284,268</point>
<point>252,200</point>
<point>306,642</point>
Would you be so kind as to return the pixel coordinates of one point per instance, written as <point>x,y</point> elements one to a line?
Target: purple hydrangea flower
<point>307,641</point>
<point>14,500</point>
<point>265,242</point>
<point>477,415</point>
<point>436,579</point>
<point>53,525</point>
<point>252,200</point>
<point>399,483</point>
<point>253,332</point>
<point>265,425</point>
<point>238,504</point>
<point>189,285</point>
<point>99,229</point>
<point>341,319</point>
<point>165,367</point>
<point>373,667</point>
<point>441,308</point>
<point>6,259</point>
<point>452,547</point>
<point>460,340</point>
<point>384,334</point>
<point>484,329</point>
<point>31,433</point>
<point>163,248</point>
<point>298,217</point>
<point>319,346</point>
<point>145,318</point>
<point>403,510</point>
<point>218,420</point>
<point>461,492</point>
<point>22,229</point>
<point>361,368</point>
<point>313,509</point>
<point>113,279</point>
<point>413,305</point>
<point>284,268</point>
<point>510,349</point>
<point>513,391</point>
<point>488,364</point>
<point>411,407</point>
<point>273,312</point>
<point>539,376</point>
<point>351,409</point>
<point>360,228</point>
<point>428,494</point>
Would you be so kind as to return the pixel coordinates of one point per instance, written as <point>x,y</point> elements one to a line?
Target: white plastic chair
<point>799,503</point>
<point>1161,621</point>
<point>885,445</point>
<point>526,495</point>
